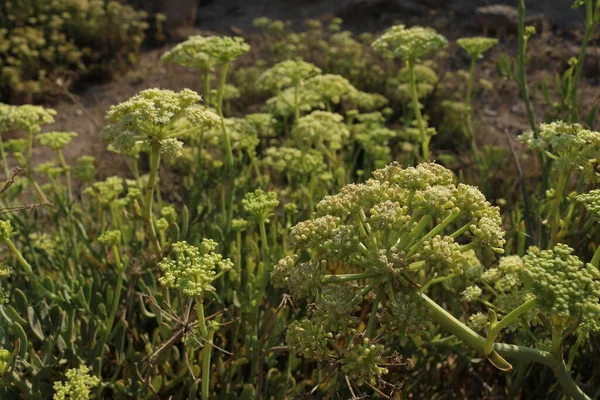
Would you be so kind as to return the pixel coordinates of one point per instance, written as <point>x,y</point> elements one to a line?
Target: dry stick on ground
<point>9,182</point>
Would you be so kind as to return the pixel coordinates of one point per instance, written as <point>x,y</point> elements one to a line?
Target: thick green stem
<point>206,88</point>
<point>150,231</point>
<point>596,258</point>
<point>29,271</point>
<point>500,350</point>
<point>373,317</point>
<point>554,209</point>
<point>207,350</point>
<point>414,95</point>
<point>589,27</point>
<point>469,116</point>
<point>497,327</point>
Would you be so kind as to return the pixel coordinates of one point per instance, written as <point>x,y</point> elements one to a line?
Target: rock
<point>503,19</point>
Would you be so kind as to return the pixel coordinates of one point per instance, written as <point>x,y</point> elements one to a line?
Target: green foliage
<point>43,40</point>
<point>307,247</point>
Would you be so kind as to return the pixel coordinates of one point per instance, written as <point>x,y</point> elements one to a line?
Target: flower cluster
<point>78,385</point>
<point>287,73</point>
<point>192,269</point>
<point>25,117</point>
<point>565,287</point>
<point>591,202</point>
<point>321,127</point>
<point>569,145</point>
<point>476,46</point>
<point>56,140</point>
<point>409,44</point>
<point>5,272</point>
<point>191,54</point>
<point>153,116</point>
<point>260,205</point>
<point>361,362</point>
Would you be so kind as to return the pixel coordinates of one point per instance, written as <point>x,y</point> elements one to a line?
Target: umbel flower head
<point>5,272</point>
<point>155,115</point>
<point>192,269</point>
<point>565,287</point>
<point>569,145</point>
<point>224,48</point>
<point>476,46</point>
<point>409,44</point>
<point>260,205</point>
<point>77,386</point>
<point>56,140</point>
<point>321,127</point>
<point>591,202</point>
<point>191,54</point>
<point>25,117</point>
<point>287,73</point>
<point>381,240</point>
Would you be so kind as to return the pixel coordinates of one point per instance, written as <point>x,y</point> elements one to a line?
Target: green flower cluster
<point>190,53</point>
<point>591,202</point>
<point>26,117</point>
<point>361,362</point>
<point>569,145</point>
<point>5,272</point>
<point>566,288</point>
<point>260,205</point>
<point>409,44</point>
<point>321,128</point>
<point>5,361</point>
<point>56,140</point>
<point>192,269</point>
<point>77,386</point>
<point>476,46</point>
<point>155,115</point>
<point>287,73</point>
<point>308,340</point>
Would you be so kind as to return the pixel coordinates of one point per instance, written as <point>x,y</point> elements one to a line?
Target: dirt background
<point>501,109</point>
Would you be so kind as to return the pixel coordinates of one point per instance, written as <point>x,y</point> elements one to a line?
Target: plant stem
<point>207,350</point>
<point>67,168</point>
<point>496,328</point>
<point>521,61</point>
<point>589,27</point>
<point>500,350</point>
<point>150,231</point>
<point>372,318</point>
<point>414,95</point>
<point>347,277</point>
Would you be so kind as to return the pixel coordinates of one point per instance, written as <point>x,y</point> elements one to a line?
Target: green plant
<point>410,45</point>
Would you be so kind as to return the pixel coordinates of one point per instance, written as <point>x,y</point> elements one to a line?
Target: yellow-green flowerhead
<point>155,115</point>
<point>564,285</point>
<point>24,117</point>
<point>260,205</point>
<point>409,44</point>
<point>77,386</point>
<point>5,361</point>
<point>192,269</point>
<point>56,140</point>
<point>191,54</point>
<point>110,238</point>
<point>476,46</point>
<point>287,73</point>
<point>6,230</point>
<point>220,49</point>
